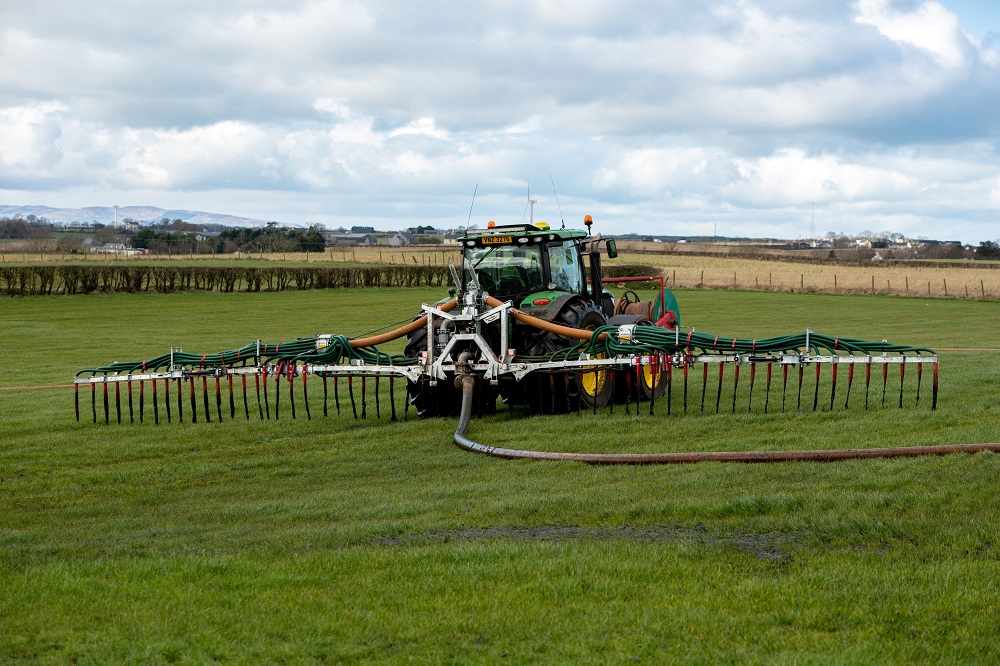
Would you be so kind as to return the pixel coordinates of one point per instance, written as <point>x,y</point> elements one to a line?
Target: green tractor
<point>529,322</point>
<point>553,275</point>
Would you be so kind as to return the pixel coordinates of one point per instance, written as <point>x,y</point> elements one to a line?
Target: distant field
<point>953,280</point>
<point>973,280</point>
<point>416,255</point>
<point>366,541</point>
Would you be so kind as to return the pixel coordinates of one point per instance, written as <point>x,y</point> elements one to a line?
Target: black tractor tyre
<point>562,391</point>
<point>433,400</point>
<point>443,398</point>
<point>644,384</point>
<point>593,387</point>
<point>429,400</point>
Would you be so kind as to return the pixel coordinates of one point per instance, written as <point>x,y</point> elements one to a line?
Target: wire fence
<point>932,282</point>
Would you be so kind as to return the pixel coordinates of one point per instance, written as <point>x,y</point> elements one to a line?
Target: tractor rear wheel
<point>440,399</point>
<point>443,398</point>
<point>562,391</point>
<point>429,400</point>
<point>653,382</point>
<point>594,386</point>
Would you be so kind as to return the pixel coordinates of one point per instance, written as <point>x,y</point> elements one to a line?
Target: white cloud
<point>421,127</point>
<point>792,177</point>
<point>30,136</point>
<point>930,27</point>
<point>674,112</point>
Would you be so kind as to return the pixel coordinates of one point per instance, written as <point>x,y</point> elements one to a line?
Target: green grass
<point>341,540</point>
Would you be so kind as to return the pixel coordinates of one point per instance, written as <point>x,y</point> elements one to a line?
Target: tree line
<point>239,239</point>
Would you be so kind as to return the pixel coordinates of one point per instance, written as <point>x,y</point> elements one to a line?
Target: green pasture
<point>333,539</point>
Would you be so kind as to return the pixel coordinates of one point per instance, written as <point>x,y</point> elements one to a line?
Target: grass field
<point>340,540</point>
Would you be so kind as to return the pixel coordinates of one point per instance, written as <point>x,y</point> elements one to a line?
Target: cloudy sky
<point>752,117</point>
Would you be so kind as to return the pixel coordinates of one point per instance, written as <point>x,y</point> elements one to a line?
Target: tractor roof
<point>515,234</point>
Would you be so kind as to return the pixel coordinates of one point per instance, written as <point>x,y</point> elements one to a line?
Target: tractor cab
<point>525,263</point>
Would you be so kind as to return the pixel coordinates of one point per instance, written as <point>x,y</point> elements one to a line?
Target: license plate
<point>497,240</point>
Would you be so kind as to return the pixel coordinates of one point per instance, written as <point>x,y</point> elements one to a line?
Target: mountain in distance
<point>106,215</point>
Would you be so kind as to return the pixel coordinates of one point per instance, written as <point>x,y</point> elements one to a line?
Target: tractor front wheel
<point>594,386</point>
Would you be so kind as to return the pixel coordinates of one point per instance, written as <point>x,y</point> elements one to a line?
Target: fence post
<point>945,287</point>
<point>982,288</point>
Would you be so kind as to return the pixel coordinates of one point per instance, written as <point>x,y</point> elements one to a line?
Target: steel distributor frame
<point>455,333</point>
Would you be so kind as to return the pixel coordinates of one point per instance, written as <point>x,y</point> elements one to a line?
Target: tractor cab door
<point>566,268</point>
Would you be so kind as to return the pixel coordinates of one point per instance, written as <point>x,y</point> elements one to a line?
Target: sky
<point>736,117</point>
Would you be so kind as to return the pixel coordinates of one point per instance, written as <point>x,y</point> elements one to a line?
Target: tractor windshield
<point>506,270</point>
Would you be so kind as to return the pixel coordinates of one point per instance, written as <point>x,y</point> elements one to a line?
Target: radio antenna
<point>469,223</point>
<point>563,221</point>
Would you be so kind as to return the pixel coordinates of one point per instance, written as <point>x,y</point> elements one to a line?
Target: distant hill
<point>106,215</point>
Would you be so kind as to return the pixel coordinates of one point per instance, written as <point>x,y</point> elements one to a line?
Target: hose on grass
<point>467,382</point>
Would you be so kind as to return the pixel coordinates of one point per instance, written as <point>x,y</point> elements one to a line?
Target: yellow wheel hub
<point>592,381</point>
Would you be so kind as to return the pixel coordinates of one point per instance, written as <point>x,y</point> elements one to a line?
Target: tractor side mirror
<point>612,248</point>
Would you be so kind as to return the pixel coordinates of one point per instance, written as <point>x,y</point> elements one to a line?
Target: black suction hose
<point>467,383</point>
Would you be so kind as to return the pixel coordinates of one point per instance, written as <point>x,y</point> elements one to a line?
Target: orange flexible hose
<point>399,332</point>
<point>524,318</point>
<point>577,333</point>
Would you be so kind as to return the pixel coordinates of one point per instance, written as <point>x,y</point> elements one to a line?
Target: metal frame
<point>436,364</point>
